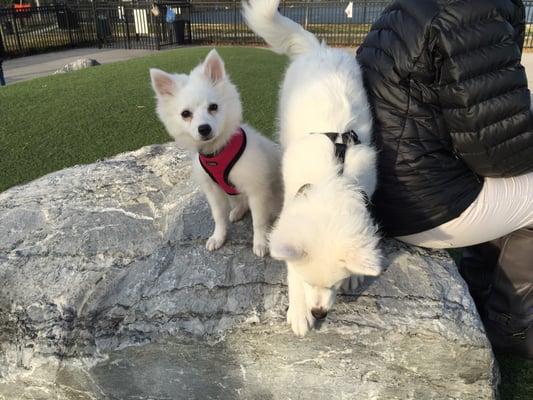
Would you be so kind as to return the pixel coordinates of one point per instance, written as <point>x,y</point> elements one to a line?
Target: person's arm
<point>482,87</point>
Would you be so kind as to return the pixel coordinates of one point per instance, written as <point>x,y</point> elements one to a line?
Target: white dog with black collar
<point>325,232</point>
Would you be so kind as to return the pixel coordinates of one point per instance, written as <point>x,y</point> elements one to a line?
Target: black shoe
<point>509,335</point>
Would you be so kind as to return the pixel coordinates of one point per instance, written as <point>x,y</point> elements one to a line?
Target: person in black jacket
<point>454,132</point>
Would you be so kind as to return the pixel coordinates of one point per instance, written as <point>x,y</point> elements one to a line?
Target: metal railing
<point>42,28</point>
<point>136,24</point>
<point>222,22</point>
<point>103,24</point>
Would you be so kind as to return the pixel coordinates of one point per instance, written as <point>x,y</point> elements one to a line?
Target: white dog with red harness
<point>325,232</point>
<point>237,168</point>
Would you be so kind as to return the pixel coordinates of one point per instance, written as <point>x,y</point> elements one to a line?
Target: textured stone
<point>95,259</point>
<point>77,65</point>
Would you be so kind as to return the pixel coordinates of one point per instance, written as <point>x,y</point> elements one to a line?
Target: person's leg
<point>503,206</point>
<point>477,267</point>
<point>508,310</point>
<point>498,268</point>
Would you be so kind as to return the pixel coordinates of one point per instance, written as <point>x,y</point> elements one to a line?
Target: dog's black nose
<point>204,130</point>
<point>319,313</point>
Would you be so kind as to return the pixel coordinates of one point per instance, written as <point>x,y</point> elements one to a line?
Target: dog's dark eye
<point>186,114</point>
<point>212,107</point>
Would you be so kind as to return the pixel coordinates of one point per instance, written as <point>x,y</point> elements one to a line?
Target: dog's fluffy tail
<point>283,34</point>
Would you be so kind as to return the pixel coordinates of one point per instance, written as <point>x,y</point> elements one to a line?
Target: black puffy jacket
<point>451,106</point>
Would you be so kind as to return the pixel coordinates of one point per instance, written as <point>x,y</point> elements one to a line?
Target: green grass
<point>51,123</point>
<point>55,122</point>
<point>517,378</point>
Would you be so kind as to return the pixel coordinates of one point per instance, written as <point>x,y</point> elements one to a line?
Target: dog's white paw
<point>237,213</point>
<point>352,283</point>
<point>214,243</point>
<point>260,249</point>
<point>300,320</point>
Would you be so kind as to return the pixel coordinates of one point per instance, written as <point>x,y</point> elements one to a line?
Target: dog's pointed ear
<point>214,67</point>
<point>286,252</point>
<point>163,84</point>
<point>363,262</point>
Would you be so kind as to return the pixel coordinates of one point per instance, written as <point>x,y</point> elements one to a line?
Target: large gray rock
<point>98,258</point>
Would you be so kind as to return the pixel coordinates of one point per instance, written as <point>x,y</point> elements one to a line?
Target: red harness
<point>219,165</point>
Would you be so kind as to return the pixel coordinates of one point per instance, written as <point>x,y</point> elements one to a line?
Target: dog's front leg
<point>352,283</point>
<point>239,207</point>
<point>260,220</point>
<point>298,315</point>
<point>218,202</point>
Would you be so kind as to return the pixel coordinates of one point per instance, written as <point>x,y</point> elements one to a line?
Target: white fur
<point>257,172</point>
<point>325,232</point>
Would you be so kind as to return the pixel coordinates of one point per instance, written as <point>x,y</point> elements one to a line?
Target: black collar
<point>349,138</point>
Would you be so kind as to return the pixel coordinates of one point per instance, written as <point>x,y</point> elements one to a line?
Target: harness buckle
<point>349,138</point>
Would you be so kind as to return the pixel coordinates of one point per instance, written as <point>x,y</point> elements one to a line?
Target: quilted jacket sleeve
<point>416,159</point>
<point>482,86</point>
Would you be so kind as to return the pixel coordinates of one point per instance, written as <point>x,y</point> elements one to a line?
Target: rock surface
<point>98,258</point>
<point>77,65</point>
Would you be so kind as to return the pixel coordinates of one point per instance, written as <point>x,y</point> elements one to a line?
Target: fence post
<point>306,14</point>
<point>3,53</point>
<point>16,29</point>
<point>189,26</point>
<point>67,11</point>
<point>128,44</point>
<point>98,39</point>
<point>3,47</point>
<point>157,23</point>
<point>235,10</point>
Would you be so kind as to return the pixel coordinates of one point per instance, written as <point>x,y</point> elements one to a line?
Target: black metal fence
<point>143,24</point>
<point>23,31</point>
<point>116,24</point>
<point>222,22</point>
<point>340,23</point>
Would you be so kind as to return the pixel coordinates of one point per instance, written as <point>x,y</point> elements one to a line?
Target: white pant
<point>504,205</point>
